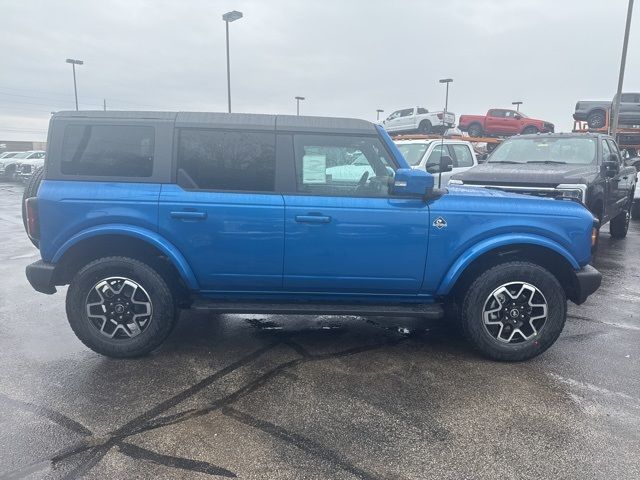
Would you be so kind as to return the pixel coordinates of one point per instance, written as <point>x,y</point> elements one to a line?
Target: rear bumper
<point>40,276</point>
<point>588,280</point>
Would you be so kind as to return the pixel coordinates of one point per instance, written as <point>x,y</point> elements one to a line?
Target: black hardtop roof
<point>249,121</point>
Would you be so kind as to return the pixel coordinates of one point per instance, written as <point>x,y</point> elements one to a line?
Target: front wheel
<point>619,225</point>
<point>529,130</point>
<point>425,127</point>
<point>514,311</point>
<point>120,307</point>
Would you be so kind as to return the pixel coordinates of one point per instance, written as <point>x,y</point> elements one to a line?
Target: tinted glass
<point>342,166</point>
<point>223,160</point>
<point>413,152</point>
<point>422,110</point>
<point>463,157</point>
<point>573,150</point>
<point>497,113</point>
<point>108,150</point>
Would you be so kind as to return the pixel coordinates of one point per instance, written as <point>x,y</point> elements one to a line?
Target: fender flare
<point>484,246</point>
<point>153,238</point>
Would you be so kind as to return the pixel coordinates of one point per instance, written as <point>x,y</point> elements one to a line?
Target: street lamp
<point>378,112</point>
<point>298,104</point>
<point>446,100</point>
<point>517,104</point>
<point>623,61</point>
<point>228,18</point>
<point>75,88</point>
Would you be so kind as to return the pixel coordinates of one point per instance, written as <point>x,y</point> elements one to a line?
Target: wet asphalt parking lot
<point>286,397</point>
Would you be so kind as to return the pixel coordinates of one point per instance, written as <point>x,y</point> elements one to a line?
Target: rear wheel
<point>529,130</point>
<point>425,127</point>
<point>31,190</point>
<point>120,307</point>
<point>596,119</point>
<point>514,311</point>
<point>475,130</point>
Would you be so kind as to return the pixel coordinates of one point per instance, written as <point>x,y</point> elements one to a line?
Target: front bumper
<point>588,280</point>
<point>40,276</point>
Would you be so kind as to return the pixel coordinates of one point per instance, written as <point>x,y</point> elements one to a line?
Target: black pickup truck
<point>585,167</point>
<point>594,112</point>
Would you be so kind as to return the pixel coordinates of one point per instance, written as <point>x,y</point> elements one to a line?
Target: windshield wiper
<point>504,161</point>
<point>548,162</point>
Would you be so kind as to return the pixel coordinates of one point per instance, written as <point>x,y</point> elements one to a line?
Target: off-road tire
<point>619,225</point>
<point>475,297</point>
<point>596,119</point>
<point>475,130</point>
<point>162,299</point>
<point>530,130</point>
<point>31,190</point>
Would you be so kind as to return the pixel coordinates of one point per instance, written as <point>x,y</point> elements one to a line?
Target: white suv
<point>425,155</point>
<point>419,119</point>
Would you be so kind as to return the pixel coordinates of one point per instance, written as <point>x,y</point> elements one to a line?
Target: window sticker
<point>314,169</point>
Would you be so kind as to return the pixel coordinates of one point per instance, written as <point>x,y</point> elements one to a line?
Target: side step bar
<point>429,311</point>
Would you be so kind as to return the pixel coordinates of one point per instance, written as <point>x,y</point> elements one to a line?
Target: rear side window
<point>108,150</point>
<point>225,160</point>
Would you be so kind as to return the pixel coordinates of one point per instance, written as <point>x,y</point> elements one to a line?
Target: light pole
<point>228,18</point>
<point>517,104</point>
<point>446,98</point>
<point>298,104</point>
<point>75,88</point>
<point>623,61</point>
<point>378,112</point>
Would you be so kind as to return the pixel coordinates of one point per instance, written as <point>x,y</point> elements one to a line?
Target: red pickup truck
<point>500,121</point>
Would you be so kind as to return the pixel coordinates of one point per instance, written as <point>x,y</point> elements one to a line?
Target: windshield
<point>22,155</point>
<point>413,152</point>
<point>573,150</point>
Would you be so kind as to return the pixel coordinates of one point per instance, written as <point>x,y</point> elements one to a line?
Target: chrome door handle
<point>313,218</point>
<point>188,215</point>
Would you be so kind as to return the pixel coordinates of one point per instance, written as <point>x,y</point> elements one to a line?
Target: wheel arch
<point>122,240</point>
<point>538,250</point>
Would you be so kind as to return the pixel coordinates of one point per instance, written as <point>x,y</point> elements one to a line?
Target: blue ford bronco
<point>146,213</point>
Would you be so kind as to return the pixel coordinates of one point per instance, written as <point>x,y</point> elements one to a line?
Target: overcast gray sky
<point>347,57</point>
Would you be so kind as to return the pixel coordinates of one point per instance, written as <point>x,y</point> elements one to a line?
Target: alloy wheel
<point>119,307</point>
<point>515,312</point>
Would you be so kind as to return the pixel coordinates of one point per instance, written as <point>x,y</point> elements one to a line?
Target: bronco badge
<point>440,223</point>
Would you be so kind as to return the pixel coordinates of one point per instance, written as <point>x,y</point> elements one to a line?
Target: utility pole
<point>623,61</point>
<point>378,112</point>
<point>75,87</point>
<point>104,104</point>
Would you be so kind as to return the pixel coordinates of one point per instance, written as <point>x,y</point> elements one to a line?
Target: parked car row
<point>20,165</point>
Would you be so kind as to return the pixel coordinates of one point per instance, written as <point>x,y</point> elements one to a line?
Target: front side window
<point>225,160</point>
<point>342,166</point>
<point>546,150</point>
<point>606,151</point>
<point>108,150</point>
<point>406,112</point>
<point>463,157</point>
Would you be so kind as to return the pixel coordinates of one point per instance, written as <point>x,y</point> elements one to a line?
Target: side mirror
<point>446,164</point>
<point>409,182</point>
<point>518,117</point>
<point>611,166</point>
